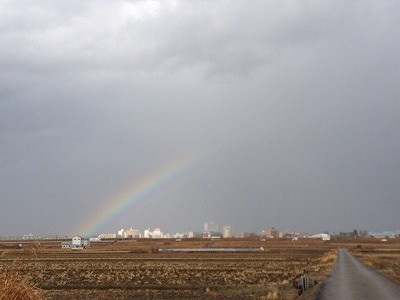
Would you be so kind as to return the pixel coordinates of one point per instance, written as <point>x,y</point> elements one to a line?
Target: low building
<point>28,236</point>
<point>157,233</point>
<point>383,234</point>
<point>66,244</point>
<point>194,234</point>
<point>322,236</point>
<point>247,234</point>
<point>76,243</point>
<point>80,242</point>
<point>133,233</point>
<point>108,236</point>
<point>180,235</point>
<point>211,234</point>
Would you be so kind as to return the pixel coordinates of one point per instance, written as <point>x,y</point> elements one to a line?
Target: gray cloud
<point>296,101</point>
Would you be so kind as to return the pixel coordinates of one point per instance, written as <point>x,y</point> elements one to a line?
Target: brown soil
<point>134,269</point>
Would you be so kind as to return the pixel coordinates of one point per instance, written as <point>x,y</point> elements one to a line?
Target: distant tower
<point>227,231</point>
<point>272,233</point>
<point>210,226</point>
<point>206,226</point>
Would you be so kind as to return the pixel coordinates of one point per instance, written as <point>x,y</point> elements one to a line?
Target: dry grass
<point>386,263</point>
<point>382,256</point>
<point>13,287</point>
<point>322,269</point>
<point>328,259</point>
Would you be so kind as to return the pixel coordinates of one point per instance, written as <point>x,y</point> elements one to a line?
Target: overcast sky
<point>294,107</point>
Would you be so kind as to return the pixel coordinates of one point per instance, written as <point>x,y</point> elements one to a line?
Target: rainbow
<point>136,194</point>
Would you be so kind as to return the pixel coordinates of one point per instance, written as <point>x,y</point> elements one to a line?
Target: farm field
<point>135,269</point>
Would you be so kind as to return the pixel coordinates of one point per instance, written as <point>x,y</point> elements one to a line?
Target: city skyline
<point>209,228</point>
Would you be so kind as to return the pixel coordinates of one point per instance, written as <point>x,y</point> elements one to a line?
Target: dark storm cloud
<point>296,101</point>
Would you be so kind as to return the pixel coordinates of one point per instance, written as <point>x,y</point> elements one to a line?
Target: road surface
<point>351,279</point>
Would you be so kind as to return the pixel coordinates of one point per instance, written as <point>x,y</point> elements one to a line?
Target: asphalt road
<point>351,279</point>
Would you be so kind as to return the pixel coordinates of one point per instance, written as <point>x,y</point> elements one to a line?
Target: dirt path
<point>351,279</point>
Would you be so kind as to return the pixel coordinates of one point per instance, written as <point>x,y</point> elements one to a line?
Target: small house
<point>80,242</point>
<point>66,244</point>
<point>76,243</point>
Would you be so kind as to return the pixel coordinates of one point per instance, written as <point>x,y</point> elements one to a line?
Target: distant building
<point>211,234</point>
<point>66,244</point>
<point>272,233</point>
<point>180,235</point>
<point>210,226</point>
<point>322,236</point>
<point>133,233</point>
<point>247,234</point>
<point>286,234</point>
<point>28,236</point>
<point>121,233</point>
<point>76,243</point>
<point>147,233</point>
<point>157,234</point>
<point>383,234</point>
<point>195,234</point>
<point>227,231</point>
<point>80,242</point>
<point>108,236</point>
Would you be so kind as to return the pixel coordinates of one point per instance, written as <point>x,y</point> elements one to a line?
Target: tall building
<point>210,226</point>
<point>227,231</point>
<point>272,233</point>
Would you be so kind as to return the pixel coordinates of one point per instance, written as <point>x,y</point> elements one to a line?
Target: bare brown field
<point>134,269</point>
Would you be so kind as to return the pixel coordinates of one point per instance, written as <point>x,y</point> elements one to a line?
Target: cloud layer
<point>296,105</point>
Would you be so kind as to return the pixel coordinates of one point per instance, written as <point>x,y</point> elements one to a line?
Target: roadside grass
<point>386,264</point>
<point>328,260</point>
<point>322,269</point>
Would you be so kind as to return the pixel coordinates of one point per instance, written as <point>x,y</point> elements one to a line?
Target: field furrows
<point>161,273</point>
<point>126,274</point>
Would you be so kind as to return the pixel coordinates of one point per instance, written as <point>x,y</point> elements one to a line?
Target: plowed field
<point>126,270</point>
